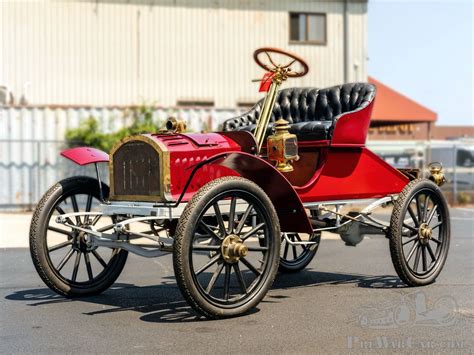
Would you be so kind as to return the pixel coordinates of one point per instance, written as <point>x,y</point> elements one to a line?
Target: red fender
<point>85,155</point>
<point>288,205</point>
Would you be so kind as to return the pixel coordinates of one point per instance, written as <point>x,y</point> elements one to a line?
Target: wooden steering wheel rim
<point>280,51</point>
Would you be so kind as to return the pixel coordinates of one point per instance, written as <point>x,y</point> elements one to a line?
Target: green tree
<point>88,133</point>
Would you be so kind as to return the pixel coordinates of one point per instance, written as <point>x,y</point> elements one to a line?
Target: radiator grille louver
<point>136,170</point>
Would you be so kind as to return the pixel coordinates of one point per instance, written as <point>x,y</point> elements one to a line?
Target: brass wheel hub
<point>425,233</point>
<point>233,248</point>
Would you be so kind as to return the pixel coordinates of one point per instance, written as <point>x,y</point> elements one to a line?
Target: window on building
<point>195,103</point>
<point>308,28</point>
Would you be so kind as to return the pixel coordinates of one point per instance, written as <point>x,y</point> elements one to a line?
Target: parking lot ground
<point>349,300</point>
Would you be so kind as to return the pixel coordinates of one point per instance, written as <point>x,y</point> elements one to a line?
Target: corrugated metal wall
<point>109,52</point>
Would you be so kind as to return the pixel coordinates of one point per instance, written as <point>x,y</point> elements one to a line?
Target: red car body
<point>345,169</point>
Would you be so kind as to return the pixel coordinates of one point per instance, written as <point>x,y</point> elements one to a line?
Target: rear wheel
<point>61,256</point>
<point>419,233</point>
<point>226,248</point>
<point>295,257</point>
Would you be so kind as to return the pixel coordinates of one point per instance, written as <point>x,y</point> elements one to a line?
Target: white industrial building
<point>63,61</point>
<point>170,52</point>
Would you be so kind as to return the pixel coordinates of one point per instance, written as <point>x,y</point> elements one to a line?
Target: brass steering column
<point>267,108</point>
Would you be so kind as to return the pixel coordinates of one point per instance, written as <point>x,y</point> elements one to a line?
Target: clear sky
<point>424,49</point>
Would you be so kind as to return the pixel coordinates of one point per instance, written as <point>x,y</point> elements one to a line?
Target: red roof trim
<point>393,106</point>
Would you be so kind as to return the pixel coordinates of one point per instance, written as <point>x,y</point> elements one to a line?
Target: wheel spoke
<point>233,202</point>
<point>410,240</point>
<point>417,257</point>
<point>418,210</point>
<point>88,266</point>
<point>206,247</point>
<point>250,266</point>
<point>209,230</point>
<point>425,209</point>
<point>299,240</point>
<point>413,229</point>
<point>243,219</point>
<point>257,248</point>
<point>211,262</point>
<point>413,216</point>
<point>96,219</point>
<point>433,211</point>
<point>76,266</point>
<point>252,231</point>
<point>214,277</point>
<point>99,258</point>
<point>76,208</point>
<point>89,203</point>
<point>436,240</point>
<point>433,257</point>
<point>220,220</point>
<point>294,252</point>
<point>59,246</point>
<point>285,252</point>
<point>65,259</point>
<point>61,211</point>
<point>436,225</point>
<point>412,250</point>
<point>226,282</point>
<point>423,257</point>
<point>240,278</point>
<point>59,230</point>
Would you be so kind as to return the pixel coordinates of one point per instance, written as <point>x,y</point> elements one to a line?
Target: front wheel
<point>419,233</point>
<point>61,255</point>
<point>226,248</point>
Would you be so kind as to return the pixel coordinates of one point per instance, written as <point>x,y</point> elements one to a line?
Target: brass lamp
<point>282,146</point>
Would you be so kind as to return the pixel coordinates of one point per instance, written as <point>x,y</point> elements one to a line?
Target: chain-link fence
<point>29,167</point>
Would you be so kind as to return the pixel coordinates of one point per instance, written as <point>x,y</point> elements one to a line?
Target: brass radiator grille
<point>136,170</point>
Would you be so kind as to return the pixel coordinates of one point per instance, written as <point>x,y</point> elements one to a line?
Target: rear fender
<point>85,155</point>
<point>289,208</point>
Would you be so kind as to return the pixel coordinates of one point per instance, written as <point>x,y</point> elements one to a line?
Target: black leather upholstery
<point>312,113</point>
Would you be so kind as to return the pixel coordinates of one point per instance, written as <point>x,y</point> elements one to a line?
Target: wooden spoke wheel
<point>226,248</point>
<point>63,258</point>
<point>419,233</point>
<point>294,258</point>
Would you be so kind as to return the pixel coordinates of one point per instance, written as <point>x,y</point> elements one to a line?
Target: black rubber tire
<point>303,260</point>
<point>404,271</point>
<point>183,240</point>
<point>38,241</point>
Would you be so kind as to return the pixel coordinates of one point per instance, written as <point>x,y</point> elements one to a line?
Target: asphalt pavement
<point>349,300</point>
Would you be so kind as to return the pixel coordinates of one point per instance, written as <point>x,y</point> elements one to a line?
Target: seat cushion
<point>315,130</point>
<point>311,113</point>
<point>312,130</point>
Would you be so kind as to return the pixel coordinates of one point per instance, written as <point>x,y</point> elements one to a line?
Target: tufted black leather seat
<point>312,113</point>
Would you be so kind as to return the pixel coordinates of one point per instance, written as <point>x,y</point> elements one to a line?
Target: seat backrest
<point>310,104</point>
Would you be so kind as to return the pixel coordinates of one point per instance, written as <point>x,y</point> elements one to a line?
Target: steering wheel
<point>272,67</point>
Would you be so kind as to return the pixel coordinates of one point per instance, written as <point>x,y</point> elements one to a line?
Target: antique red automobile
<point>236,206</point>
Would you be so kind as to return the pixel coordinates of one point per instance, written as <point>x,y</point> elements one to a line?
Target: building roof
<point>392,106</point>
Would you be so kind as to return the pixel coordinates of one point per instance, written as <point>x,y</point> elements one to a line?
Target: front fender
<point>85,155</point>
<point>288,205</point>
